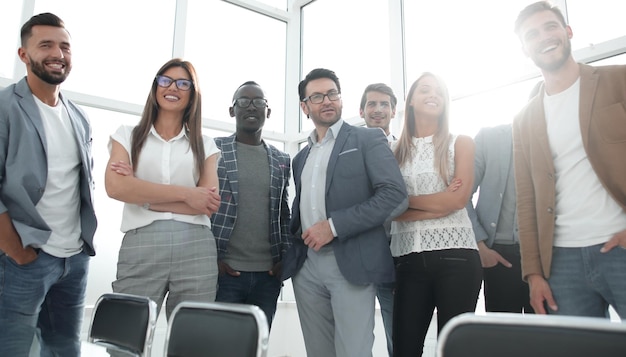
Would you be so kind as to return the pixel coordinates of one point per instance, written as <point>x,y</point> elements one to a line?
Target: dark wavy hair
<point>317,74</point>
<point>381,88</point>
<point>534,8</point>
<point>43,19</point>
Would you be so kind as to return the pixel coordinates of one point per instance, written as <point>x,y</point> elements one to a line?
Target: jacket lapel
<point>540,128</point>
<point>588,84</point>
<point>230,163</point>
<point>27,103</point>
<point>340,141</point>
<point>506,143</point>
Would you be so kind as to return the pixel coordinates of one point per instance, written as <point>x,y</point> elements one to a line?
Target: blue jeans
<point>255,288</point>
<point>384,293</point>
<point>584,282</point>
<point>45,297</point>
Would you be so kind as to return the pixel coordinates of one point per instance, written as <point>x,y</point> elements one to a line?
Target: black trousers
<point>504,289</point>
<point>448,280</point>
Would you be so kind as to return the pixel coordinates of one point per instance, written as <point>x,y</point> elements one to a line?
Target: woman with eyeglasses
<point>164,170</point>
<point>433,244</point>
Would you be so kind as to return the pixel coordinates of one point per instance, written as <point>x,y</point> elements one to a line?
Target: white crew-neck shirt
<point>60,204</point>
<point>586,214</point>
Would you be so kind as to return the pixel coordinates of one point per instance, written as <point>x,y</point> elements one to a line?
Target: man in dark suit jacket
<point>47,220</point>
<point>348,185</point>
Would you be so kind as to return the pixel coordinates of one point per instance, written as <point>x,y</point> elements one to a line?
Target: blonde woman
<point>437,261</point>
<point>164,170</point>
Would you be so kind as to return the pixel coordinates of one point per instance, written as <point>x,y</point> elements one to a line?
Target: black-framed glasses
<point>244,102</point>
<point>165,82</point>
<point>318,98</point>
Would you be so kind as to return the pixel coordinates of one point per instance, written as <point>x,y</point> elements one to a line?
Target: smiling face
<point>326,113</point>
<point>250,119</point>
<point>546,41</point>
<point>378,111</point>
<point>171,98</point>
<point>47,54</point>
<point>428,98</point>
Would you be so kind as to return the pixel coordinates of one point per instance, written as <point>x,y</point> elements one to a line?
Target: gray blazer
<point>492,162</point>
<point>364,189</point>
<point>24,168</point>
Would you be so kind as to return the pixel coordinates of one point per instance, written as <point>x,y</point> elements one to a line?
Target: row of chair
<point>126,323</point>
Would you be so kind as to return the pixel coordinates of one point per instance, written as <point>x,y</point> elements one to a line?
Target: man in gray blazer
<point>348,185</point>
<point>495,223</point>
<point>47,221</point>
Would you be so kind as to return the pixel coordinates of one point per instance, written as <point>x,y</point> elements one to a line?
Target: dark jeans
<point>255,288</point>
<point>504,289</point>
<point>448,280</point>
<point>48,294</point>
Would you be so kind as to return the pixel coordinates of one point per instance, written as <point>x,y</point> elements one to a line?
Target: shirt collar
<point>333,131</point>
<point>183,133</point>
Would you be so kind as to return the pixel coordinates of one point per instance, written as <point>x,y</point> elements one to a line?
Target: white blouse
<point>422,178</point>
<point>165,162</point>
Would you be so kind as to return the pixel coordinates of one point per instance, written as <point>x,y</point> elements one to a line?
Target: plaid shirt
<point>223,221</point>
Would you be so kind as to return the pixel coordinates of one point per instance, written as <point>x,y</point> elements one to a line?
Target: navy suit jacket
<point>492,163</point>
<point>24,166</point>
<point>364,189</point>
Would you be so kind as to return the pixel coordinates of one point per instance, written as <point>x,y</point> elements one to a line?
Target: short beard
<point>39,70</point>
<point>554,66</point>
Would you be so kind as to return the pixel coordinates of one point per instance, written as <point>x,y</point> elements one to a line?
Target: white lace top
<point>421,178</point>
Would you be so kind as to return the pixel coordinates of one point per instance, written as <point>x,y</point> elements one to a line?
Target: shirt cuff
<point>332,227</point>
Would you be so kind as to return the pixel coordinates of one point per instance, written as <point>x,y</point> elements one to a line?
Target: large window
<point>230,45</point>
<point>353,40</point>
<point>117,45</point>
<point>595,21</point>
<point>10,18</point>
<point>472,46</point>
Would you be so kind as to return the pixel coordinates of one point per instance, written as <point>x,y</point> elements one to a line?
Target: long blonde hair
<point>441,138</point>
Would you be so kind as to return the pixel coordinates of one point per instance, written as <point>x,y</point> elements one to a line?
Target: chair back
<point>517,335</point>
<point>124,322</point>
<point>217,329</point>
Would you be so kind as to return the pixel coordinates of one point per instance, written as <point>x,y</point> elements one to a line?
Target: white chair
<point>517,335</point>
<point>217,330</point>
<point>123,322</point>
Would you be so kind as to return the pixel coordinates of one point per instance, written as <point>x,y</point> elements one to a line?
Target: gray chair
<point>517,335</point>
<point>217,330</point>
<point>123,322</point>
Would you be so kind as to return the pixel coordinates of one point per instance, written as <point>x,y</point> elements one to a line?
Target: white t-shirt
<point>586,214</point>
<point>60,204</point>
<point>165,162</point>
